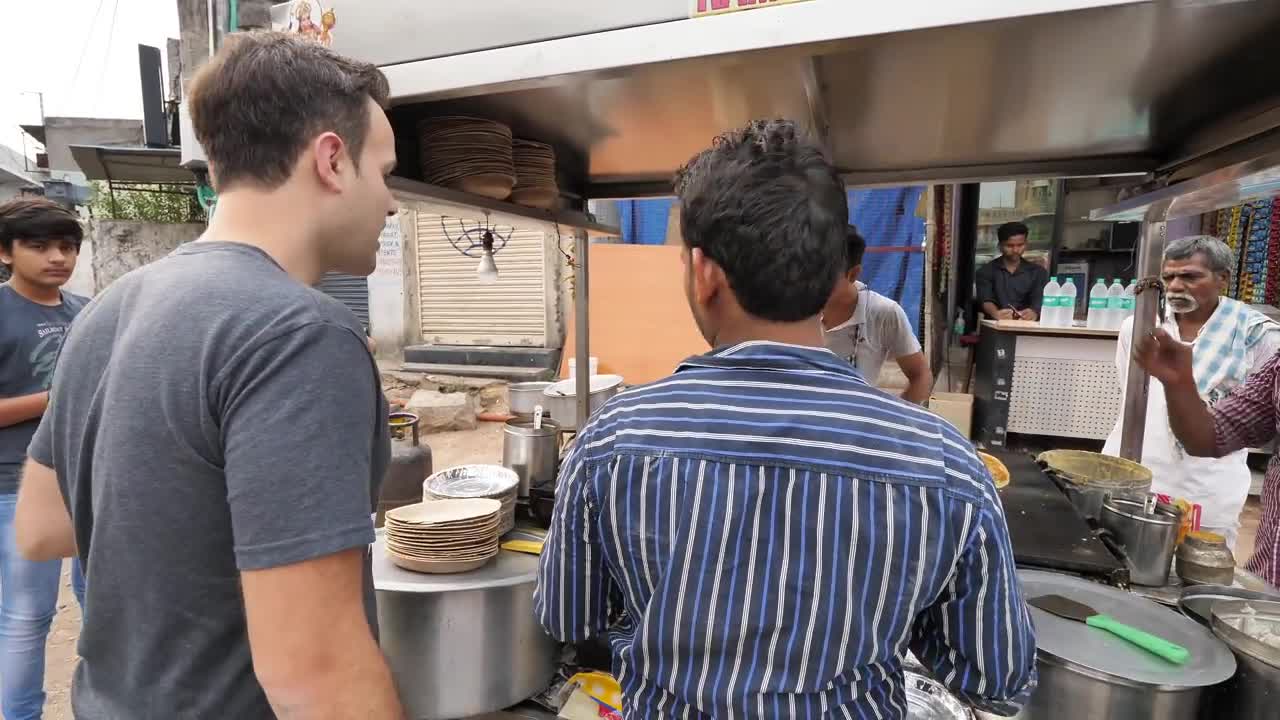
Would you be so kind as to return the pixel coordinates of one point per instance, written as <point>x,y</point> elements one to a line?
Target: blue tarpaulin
<point>886,217</point>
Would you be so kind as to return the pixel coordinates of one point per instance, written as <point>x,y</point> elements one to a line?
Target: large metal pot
<point>462,645</point>
<point>1086,672</point>
<point>533,453</point>
<point>525,397</point>
<point>1254,692</point>
<point>561,399</point>
<point>1148,538</point>
<point>1089,478</point>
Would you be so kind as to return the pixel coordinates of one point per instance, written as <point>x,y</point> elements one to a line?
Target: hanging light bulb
<point>487,271</point>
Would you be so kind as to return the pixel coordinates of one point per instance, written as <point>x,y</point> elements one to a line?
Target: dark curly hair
<point>768,208</point>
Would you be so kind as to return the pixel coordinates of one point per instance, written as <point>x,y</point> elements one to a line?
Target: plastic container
<point>1130,299</point>
<point>1099,317</point>
<point>1115,305</point>
<point>1067,304</point>
<point>1049,308</point>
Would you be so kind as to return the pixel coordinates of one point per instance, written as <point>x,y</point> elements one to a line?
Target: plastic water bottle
<point>1115,305</point>
<point>1049,308</point>
<point>1099,317</point>
<point>1130,299</point>
<point>1067,304</point>
<point>957,328</point>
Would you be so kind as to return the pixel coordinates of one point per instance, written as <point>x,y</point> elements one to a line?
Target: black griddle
<point>1047,531</point>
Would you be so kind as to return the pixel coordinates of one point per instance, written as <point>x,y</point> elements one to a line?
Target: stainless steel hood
<point>901,92</point>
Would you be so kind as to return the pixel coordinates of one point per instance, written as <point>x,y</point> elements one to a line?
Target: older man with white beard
<point>1229,342</point>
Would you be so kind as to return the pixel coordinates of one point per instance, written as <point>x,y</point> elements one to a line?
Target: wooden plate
<point>536,197</point>
<point>438,567</point>
<point>488,185</point>
<point>445,512</point>
<point>459,556</point>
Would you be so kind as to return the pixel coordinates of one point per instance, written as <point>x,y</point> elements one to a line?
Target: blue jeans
<point>28,600</point>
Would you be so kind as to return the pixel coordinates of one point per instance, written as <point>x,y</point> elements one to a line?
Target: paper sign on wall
<point>391,250</point>
<point>700,8</point>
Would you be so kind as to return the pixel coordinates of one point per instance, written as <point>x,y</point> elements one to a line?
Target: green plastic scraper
<point>1072,610</point>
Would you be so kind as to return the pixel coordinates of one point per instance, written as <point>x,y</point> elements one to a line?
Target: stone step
<point>525,357</point>
<point>510,373</point>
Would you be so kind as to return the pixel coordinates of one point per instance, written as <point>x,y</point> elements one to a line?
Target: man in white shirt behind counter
<point>866,328</point>
<point>1229,341</point>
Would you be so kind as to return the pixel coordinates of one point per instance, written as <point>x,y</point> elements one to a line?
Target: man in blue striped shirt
<point>763,534</point>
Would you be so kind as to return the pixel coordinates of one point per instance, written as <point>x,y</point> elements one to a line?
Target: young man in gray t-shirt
<point>217,427</point>
<point>867,328</point>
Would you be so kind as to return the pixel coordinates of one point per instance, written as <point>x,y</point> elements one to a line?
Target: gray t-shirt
<point>30,336</point>
<point>879,330</point>
<point>209,415</point>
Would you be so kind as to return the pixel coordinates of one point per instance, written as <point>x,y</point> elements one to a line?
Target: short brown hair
<point>37,219</point>
<point>258,102</point>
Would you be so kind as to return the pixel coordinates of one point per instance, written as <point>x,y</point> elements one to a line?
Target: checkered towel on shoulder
<point>1220,358</point>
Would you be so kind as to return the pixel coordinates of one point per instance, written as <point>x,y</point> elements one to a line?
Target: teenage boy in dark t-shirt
<point>39,245</point>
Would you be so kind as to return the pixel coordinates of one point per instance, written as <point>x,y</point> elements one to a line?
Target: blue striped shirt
<point>765,535</point>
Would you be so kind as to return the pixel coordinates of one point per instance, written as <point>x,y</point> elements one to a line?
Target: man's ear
<point>708,277</point>
<point>329,156</point>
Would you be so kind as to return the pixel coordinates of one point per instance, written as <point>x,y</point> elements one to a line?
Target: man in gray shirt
<point>217,428</point>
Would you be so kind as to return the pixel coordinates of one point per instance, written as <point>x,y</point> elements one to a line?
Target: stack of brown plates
<point>468,154</point>
<point>535,174</point>
<point>445,536</point>
<point>494,482</point>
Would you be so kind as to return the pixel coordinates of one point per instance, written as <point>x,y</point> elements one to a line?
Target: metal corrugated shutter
<point>457,310</point>
<point>352,291</point>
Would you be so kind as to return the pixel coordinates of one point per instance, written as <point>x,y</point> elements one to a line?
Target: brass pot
<point>1204,559</point>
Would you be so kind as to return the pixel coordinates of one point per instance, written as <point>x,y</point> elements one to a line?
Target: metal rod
<point>1150,256</point>
<point>581,281</point>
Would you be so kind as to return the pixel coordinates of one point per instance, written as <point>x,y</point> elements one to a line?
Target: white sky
<point>42,43</point>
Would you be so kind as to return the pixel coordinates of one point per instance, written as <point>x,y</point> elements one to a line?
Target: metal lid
<point>1161,514</point>
<point>1251,627</point>
<point>569,388</point>
<point>508,568</point>
<point>1099,654</point>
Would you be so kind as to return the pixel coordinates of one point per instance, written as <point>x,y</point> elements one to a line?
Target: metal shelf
<point>569,219</point>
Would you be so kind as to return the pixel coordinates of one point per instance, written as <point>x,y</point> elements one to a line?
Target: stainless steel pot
<point>534,454</point>
<point>1086,672</point>
<point>1253,693</point>
<point>462,645</point>
<point>524,397</point>
<point>1148,538</point>
<point>1196,601</point>
<point>561,399</point>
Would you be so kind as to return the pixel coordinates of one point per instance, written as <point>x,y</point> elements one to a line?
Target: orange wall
<point>641,327</point>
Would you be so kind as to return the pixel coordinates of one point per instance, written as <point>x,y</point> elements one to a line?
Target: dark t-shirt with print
<point>30,336</point>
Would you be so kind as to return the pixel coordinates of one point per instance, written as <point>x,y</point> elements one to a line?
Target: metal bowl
<point>477,481</point>
<point>1196,601</point>
<point>561,398</point>
<point>929,699</point>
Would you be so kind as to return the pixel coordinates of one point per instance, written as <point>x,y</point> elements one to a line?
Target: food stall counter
<point>1038,380</point>
<point>463,644</point>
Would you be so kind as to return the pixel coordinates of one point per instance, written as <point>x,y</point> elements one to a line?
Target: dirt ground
<point>482,445</point>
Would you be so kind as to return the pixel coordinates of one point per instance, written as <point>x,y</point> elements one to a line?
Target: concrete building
<point>15,179</point>
<point>60,134</point>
